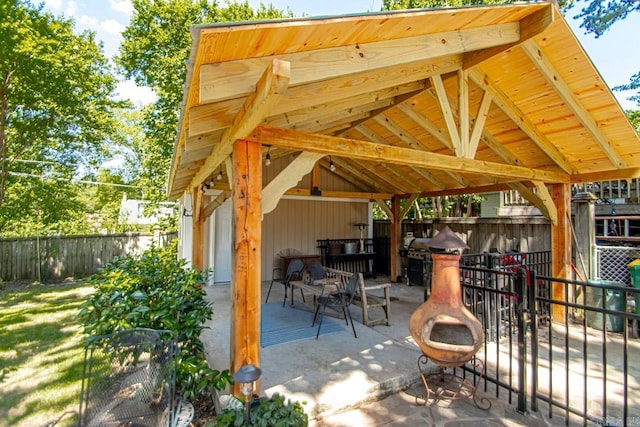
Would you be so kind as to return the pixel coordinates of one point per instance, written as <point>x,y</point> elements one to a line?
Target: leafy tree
<point>156,45</point>
<point>55,96</point>
<point>416,4</point>
<point>598,16</point>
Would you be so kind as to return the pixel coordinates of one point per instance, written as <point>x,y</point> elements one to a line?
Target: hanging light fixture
<point>267,160</point>
<point>332,167</point>
<point>220,174</point>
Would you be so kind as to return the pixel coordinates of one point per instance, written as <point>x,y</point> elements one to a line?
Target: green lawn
<point>41,353</point>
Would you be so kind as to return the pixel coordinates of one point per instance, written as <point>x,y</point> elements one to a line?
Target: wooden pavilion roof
<point>413,103</point>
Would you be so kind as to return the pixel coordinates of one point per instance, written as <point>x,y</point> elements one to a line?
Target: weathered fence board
<point>58,257</point>
<point>526,234</point>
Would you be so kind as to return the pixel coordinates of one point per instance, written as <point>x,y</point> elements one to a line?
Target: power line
<point>80,181</point>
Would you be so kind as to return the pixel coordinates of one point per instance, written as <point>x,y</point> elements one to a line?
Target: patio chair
<point>342,299</point>
<point>294,270</point>
<point>129,380</point>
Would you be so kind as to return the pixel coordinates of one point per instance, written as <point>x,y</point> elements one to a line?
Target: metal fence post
<point>521,310</point>
<point>532,303</point>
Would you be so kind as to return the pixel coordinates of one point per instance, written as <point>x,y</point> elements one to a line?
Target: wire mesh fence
<point>612,263</point>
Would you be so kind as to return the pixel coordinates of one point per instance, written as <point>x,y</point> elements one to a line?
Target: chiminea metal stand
<point>446,331</point>
<point>449,386</point>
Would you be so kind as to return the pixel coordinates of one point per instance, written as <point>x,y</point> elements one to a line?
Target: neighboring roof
<point>439,101</point>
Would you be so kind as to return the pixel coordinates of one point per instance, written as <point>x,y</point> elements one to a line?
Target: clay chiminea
<point>446,331</point>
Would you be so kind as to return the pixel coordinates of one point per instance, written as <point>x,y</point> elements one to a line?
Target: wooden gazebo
<point>407,104</point>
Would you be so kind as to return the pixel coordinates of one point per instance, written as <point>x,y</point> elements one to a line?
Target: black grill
<point>417,256</point>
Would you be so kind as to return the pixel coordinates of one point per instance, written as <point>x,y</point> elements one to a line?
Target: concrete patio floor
<point>372,380</point>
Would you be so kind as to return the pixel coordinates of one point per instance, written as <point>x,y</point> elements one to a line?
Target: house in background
<point>137,213</point>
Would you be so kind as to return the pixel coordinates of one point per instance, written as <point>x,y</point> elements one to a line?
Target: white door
<point>222,243</point>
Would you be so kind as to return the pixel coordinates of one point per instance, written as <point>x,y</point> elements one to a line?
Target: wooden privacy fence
<point>58,257</point>
<point>526,234</point>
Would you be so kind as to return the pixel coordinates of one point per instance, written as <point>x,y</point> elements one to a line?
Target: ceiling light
<point>267,161</point>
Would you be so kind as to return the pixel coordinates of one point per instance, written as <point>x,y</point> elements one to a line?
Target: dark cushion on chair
<point>317,270</point>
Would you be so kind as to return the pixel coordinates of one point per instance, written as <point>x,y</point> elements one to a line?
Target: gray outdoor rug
<point>280,325</point>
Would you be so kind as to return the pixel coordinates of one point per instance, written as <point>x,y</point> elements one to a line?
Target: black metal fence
<point>566,349</point>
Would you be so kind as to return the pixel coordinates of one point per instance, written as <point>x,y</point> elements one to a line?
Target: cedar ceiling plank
<point>382,180</point>
<point>300,118</point>
<point>521,120</point>
<point>407,139</point>
<point>564,91</point>
<point>530,26</point>
<point>396,100</point>
<point>429,177</point>
<point>628,173</point>
<point>375,99</point>
<point>335,122</point>
<point>330,145</point>
<point>232,79</point>
<point>201,141</point>
<point>426,124</point>
<point>408,142</point>
<point>332,90</point>
<point>269,89</point>
<point>350,167</point>
<point>393,173</point>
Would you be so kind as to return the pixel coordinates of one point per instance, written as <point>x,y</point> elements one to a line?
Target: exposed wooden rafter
<point>530,26</point>
<point>522,120</point>
<point>269,89</point>
<point>564,91</point>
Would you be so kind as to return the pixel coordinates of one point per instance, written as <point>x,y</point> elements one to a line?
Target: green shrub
<point>270,412</point>
<point>156,290</point>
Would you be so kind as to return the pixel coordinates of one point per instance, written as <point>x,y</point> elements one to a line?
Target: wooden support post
<point>197,227</point>
<point>247,236</point>
<point>560,246</point>
<point>396,237</point>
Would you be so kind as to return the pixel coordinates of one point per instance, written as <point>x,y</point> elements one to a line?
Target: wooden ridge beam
<point>566,94</point>
<point>355,149</point>
<point>269,89</point>
<point>232,79</point>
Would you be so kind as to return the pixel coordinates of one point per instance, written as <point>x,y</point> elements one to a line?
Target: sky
<point>614,54</point>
